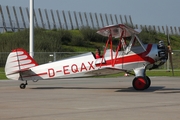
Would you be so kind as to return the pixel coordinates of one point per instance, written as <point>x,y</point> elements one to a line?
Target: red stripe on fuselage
<point>132,58</point>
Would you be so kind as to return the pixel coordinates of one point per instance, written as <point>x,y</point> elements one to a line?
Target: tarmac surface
<point>90,99</point>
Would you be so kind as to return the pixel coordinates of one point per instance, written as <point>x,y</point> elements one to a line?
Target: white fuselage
<point>85,65</point>
<point>20,66</point>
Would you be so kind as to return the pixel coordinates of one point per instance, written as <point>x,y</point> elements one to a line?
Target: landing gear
<point>148,82</point>
<point>23,85</point>
<point>141,83</point>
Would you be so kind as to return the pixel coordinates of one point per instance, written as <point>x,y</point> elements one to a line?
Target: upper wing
<point>117,31</point>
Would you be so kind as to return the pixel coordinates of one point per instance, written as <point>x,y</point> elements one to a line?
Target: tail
<point>18,61</point>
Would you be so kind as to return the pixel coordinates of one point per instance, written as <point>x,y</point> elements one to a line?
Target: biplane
<point>130,54</point>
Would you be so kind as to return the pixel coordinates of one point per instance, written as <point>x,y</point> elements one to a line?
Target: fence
<point>44,57</point>
<point>17,18</point>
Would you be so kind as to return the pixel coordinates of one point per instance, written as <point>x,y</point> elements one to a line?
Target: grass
<point>162,73</point>
<point>79,49</point>
<point>2,74</point>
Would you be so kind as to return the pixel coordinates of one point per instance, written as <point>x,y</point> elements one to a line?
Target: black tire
<point>148,82</point>
<point>139,83</point>
<point>22,86</point>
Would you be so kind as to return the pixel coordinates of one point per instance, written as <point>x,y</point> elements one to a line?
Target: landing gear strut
<point>23,85</point>
<point>141,83</point>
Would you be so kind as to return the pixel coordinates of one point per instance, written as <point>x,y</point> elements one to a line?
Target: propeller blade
<point>169,51</point>
<point>170,58</point>
<point>168,40</point>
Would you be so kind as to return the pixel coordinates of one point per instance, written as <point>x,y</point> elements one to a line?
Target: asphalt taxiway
<point>90,99</point>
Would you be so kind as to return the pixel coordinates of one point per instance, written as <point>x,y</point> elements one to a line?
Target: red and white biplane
<point>129,55</point>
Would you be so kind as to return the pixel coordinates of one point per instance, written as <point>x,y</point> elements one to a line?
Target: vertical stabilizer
<point>18,61</point>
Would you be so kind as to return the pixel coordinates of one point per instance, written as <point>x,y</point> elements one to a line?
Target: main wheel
<point>22,86</point>
<point>148,82</point>
<point>140,83</point>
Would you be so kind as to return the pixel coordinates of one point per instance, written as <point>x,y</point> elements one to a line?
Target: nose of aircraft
<point>162,55</point>
<point>163,51</point>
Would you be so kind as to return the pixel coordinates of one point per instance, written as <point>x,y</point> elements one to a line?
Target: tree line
<point>57,40</point>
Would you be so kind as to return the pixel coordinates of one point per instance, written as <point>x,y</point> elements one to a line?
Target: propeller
<point>169,50</point>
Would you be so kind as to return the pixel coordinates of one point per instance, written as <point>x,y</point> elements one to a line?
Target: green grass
<point>162,73</point>
<point>79,49</point>
<point>2,74</point>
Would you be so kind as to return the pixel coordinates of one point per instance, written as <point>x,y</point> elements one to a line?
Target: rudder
<point>18,61</point>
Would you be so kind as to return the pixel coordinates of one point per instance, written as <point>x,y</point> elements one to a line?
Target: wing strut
<point>121,42</point>
<point>109,41</point>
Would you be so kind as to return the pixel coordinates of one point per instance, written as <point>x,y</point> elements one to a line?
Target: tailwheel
<point>23,85</point>
<point>141,83</point>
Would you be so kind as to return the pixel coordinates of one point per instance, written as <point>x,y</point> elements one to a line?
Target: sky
<point>142,12</point>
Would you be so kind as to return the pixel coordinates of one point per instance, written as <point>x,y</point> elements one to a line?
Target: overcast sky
<point>142,12</point>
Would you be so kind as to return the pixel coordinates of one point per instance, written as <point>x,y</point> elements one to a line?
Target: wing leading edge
<point>118,31</point>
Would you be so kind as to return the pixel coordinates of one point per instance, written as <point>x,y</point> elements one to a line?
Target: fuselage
<point>128,56</point>
<point>83,65</point>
